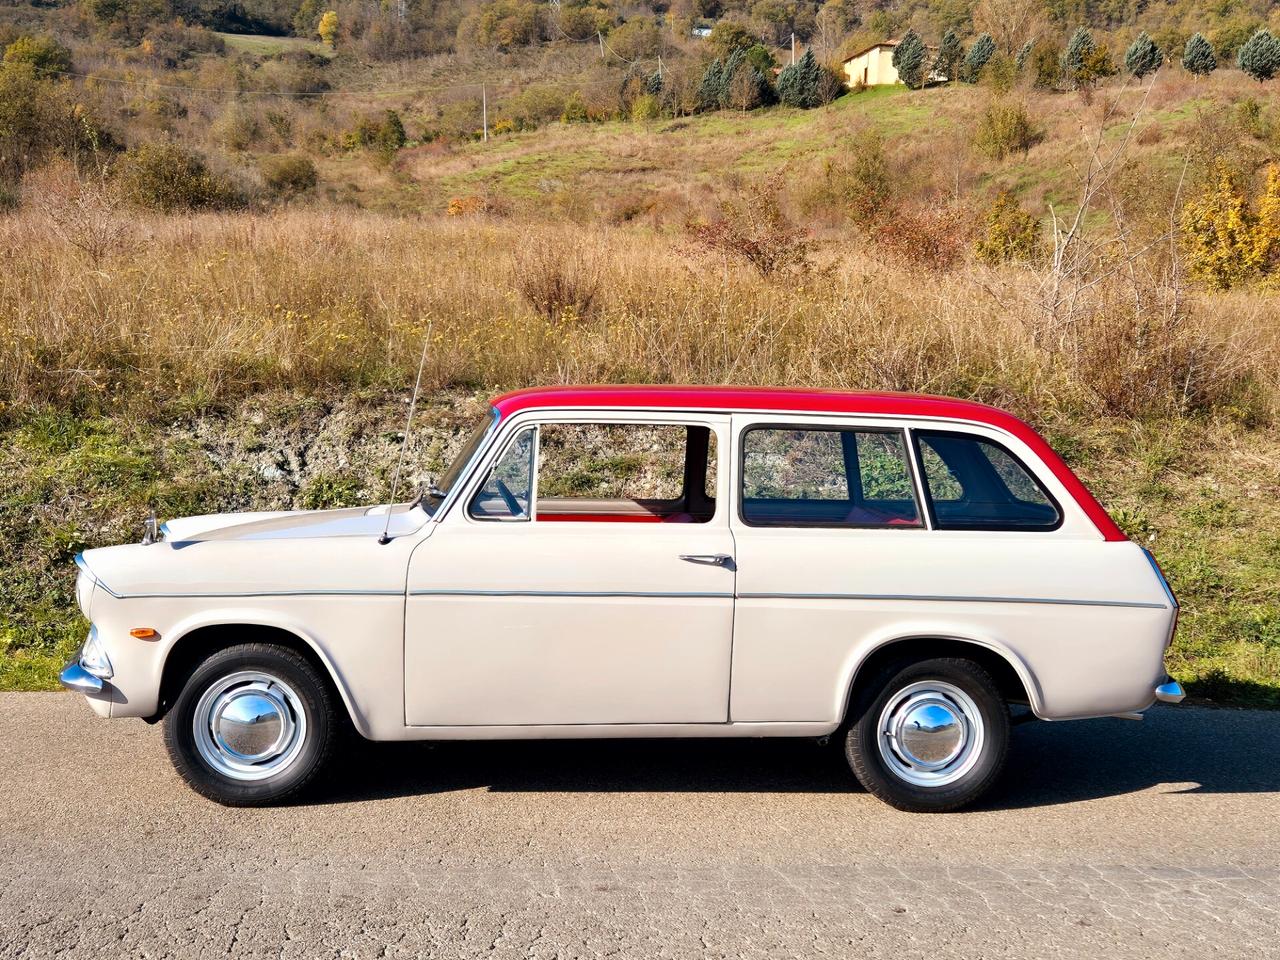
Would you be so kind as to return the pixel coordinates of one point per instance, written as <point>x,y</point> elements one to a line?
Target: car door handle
<point>710,559</point>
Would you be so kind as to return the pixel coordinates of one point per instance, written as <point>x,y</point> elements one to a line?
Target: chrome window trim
<point>740,464</point>
<point>467,472</point>
<point>488,472</point>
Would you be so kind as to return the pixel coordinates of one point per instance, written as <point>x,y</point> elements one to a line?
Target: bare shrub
<point>752,227</point>
<point>81,208</point>
<point>933,236</point>
<point>559,284</point>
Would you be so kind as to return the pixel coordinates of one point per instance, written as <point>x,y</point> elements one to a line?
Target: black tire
<point>311,748</point>
<point>974,772</point>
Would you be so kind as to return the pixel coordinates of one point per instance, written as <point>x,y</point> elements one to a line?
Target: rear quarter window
<point>974,483</point>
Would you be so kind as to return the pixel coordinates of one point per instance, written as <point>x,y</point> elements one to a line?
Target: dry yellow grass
<point>214,306</point>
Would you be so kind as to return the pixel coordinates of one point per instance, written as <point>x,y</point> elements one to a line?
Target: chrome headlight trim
<point>94,658</point>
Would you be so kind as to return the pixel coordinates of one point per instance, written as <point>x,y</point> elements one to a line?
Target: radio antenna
<point>404,442</point>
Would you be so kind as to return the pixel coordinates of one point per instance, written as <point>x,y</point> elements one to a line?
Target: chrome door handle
<point>710,559</point>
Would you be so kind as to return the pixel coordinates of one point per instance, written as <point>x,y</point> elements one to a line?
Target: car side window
<point>974,483</point>
<point>508,490</point>
<point>626,473</point>
<point>826,477</point>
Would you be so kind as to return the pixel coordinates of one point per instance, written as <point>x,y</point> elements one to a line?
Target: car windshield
<point>440,489</point>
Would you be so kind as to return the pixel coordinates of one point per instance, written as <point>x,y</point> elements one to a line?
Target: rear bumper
<point>1170,692</point>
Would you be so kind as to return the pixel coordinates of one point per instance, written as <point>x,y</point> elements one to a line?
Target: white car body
<point>452,627</point>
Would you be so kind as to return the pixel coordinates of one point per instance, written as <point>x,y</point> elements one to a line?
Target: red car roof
<point>794,400</point>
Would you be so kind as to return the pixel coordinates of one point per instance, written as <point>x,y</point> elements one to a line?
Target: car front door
<point>577,605</point>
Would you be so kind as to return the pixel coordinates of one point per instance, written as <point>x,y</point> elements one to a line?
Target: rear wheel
<point>929,736</point>
<point>254,724</point>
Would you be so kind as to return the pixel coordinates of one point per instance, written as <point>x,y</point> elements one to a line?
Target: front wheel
<point>929,736</point>
<point>254,724</point>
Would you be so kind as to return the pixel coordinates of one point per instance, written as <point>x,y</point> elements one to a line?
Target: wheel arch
<point>1016,682</point>
<point>193,645</point>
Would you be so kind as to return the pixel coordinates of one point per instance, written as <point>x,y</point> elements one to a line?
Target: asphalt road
<point>1108,838</point>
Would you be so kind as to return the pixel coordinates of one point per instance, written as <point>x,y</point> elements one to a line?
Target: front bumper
<point>77,678</point>
<point>1170,692</point>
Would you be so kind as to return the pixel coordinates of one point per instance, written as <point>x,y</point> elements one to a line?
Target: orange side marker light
<point>145,633</point>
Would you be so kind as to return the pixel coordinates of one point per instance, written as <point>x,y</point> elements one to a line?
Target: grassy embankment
<point>235,362</point>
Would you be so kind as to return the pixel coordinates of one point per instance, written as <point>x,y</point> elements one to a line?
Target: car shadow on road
<point>1181,750</point>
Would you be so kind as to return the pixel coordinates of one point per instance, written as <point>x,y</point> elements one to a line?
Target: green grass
<point>264,46</point>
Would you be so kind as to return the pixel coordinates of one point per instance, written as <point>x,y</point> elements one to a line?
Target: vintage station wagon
<point>893,570</point>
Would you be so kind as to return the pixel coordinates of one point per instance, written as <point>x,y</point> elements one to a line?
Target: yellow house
<point>872,67</point>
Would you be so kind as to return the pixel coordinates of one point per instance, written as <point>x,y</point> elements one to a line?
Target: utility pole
<point>484,110</point>
<point>659,66</point>
<point>600,37</point>
<point>793,49</point>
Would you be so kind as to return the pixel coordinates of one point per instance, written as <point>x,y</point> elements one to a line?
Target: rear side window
<point>976,484</point>
<point>826,477</point>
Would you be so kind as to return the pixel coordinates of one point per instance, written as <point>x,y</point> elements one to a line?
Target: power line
<point>320,94</point>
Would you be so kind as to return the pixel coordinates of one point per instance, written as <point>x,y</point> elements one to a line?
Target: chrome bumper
<point>1170,692</point>
<point>77,678</point>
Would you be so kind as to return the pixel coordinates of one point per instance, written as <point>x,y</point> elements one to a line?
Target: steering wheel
<point>509,498</point>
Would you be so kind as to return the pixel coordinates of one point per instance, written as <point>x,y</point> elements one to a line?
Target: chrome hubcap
<point>930,733</point>
<point>249,726</point>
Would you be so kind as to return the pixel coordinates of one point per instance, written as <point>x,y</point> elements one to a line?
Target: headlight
<point>93,658</point>
<point>84,590</point>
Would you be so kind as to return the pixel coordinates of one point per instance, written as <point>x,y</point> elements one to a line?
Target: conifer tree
<point>949,56</point>
<point>980,52</point>
<point>1143,56</point>
<point>908,59</point>
<point>1260,56</point>
<point>1021,60</point>
<point>1076,55</point>
<point>709,88</point>
<point>1199,58</point>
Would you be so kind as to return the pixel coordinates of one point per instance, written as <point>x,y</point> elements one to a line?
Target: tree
<point>1259,57</point>
<point>949,55</point>
<point>45,54</point>
<point>1024,52</point>
<point>1143,56</point>
<point>1199,58</point>
<point>304,21</point>
<point>799,84</point>
<point>979,53</point>
<point>760,58</point>
<point>708,96</point>
<point>1076,57</point>
<point>727,36</point>
<point>1013,23</point>
<point>732,67</point>
<point>328,29</point>
<point>908,59</point>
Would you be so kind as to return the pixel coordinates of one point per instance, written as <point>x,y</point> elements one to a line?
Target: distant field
<point>265,46</point>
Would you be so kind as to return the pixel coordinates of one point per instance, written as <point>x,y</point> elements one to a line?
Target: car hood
<point>327,552</point>
<point>293,524</point>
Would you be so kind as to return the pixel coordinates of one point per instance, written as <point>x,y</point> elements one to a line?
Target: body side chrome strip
<point>571,593</point>
<point>951,599</point>
<point>249,594</point>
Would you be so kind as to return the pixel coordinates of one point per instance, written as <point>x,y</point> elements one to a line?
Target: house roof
<point>801,400</point>
<point>882,43</point>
